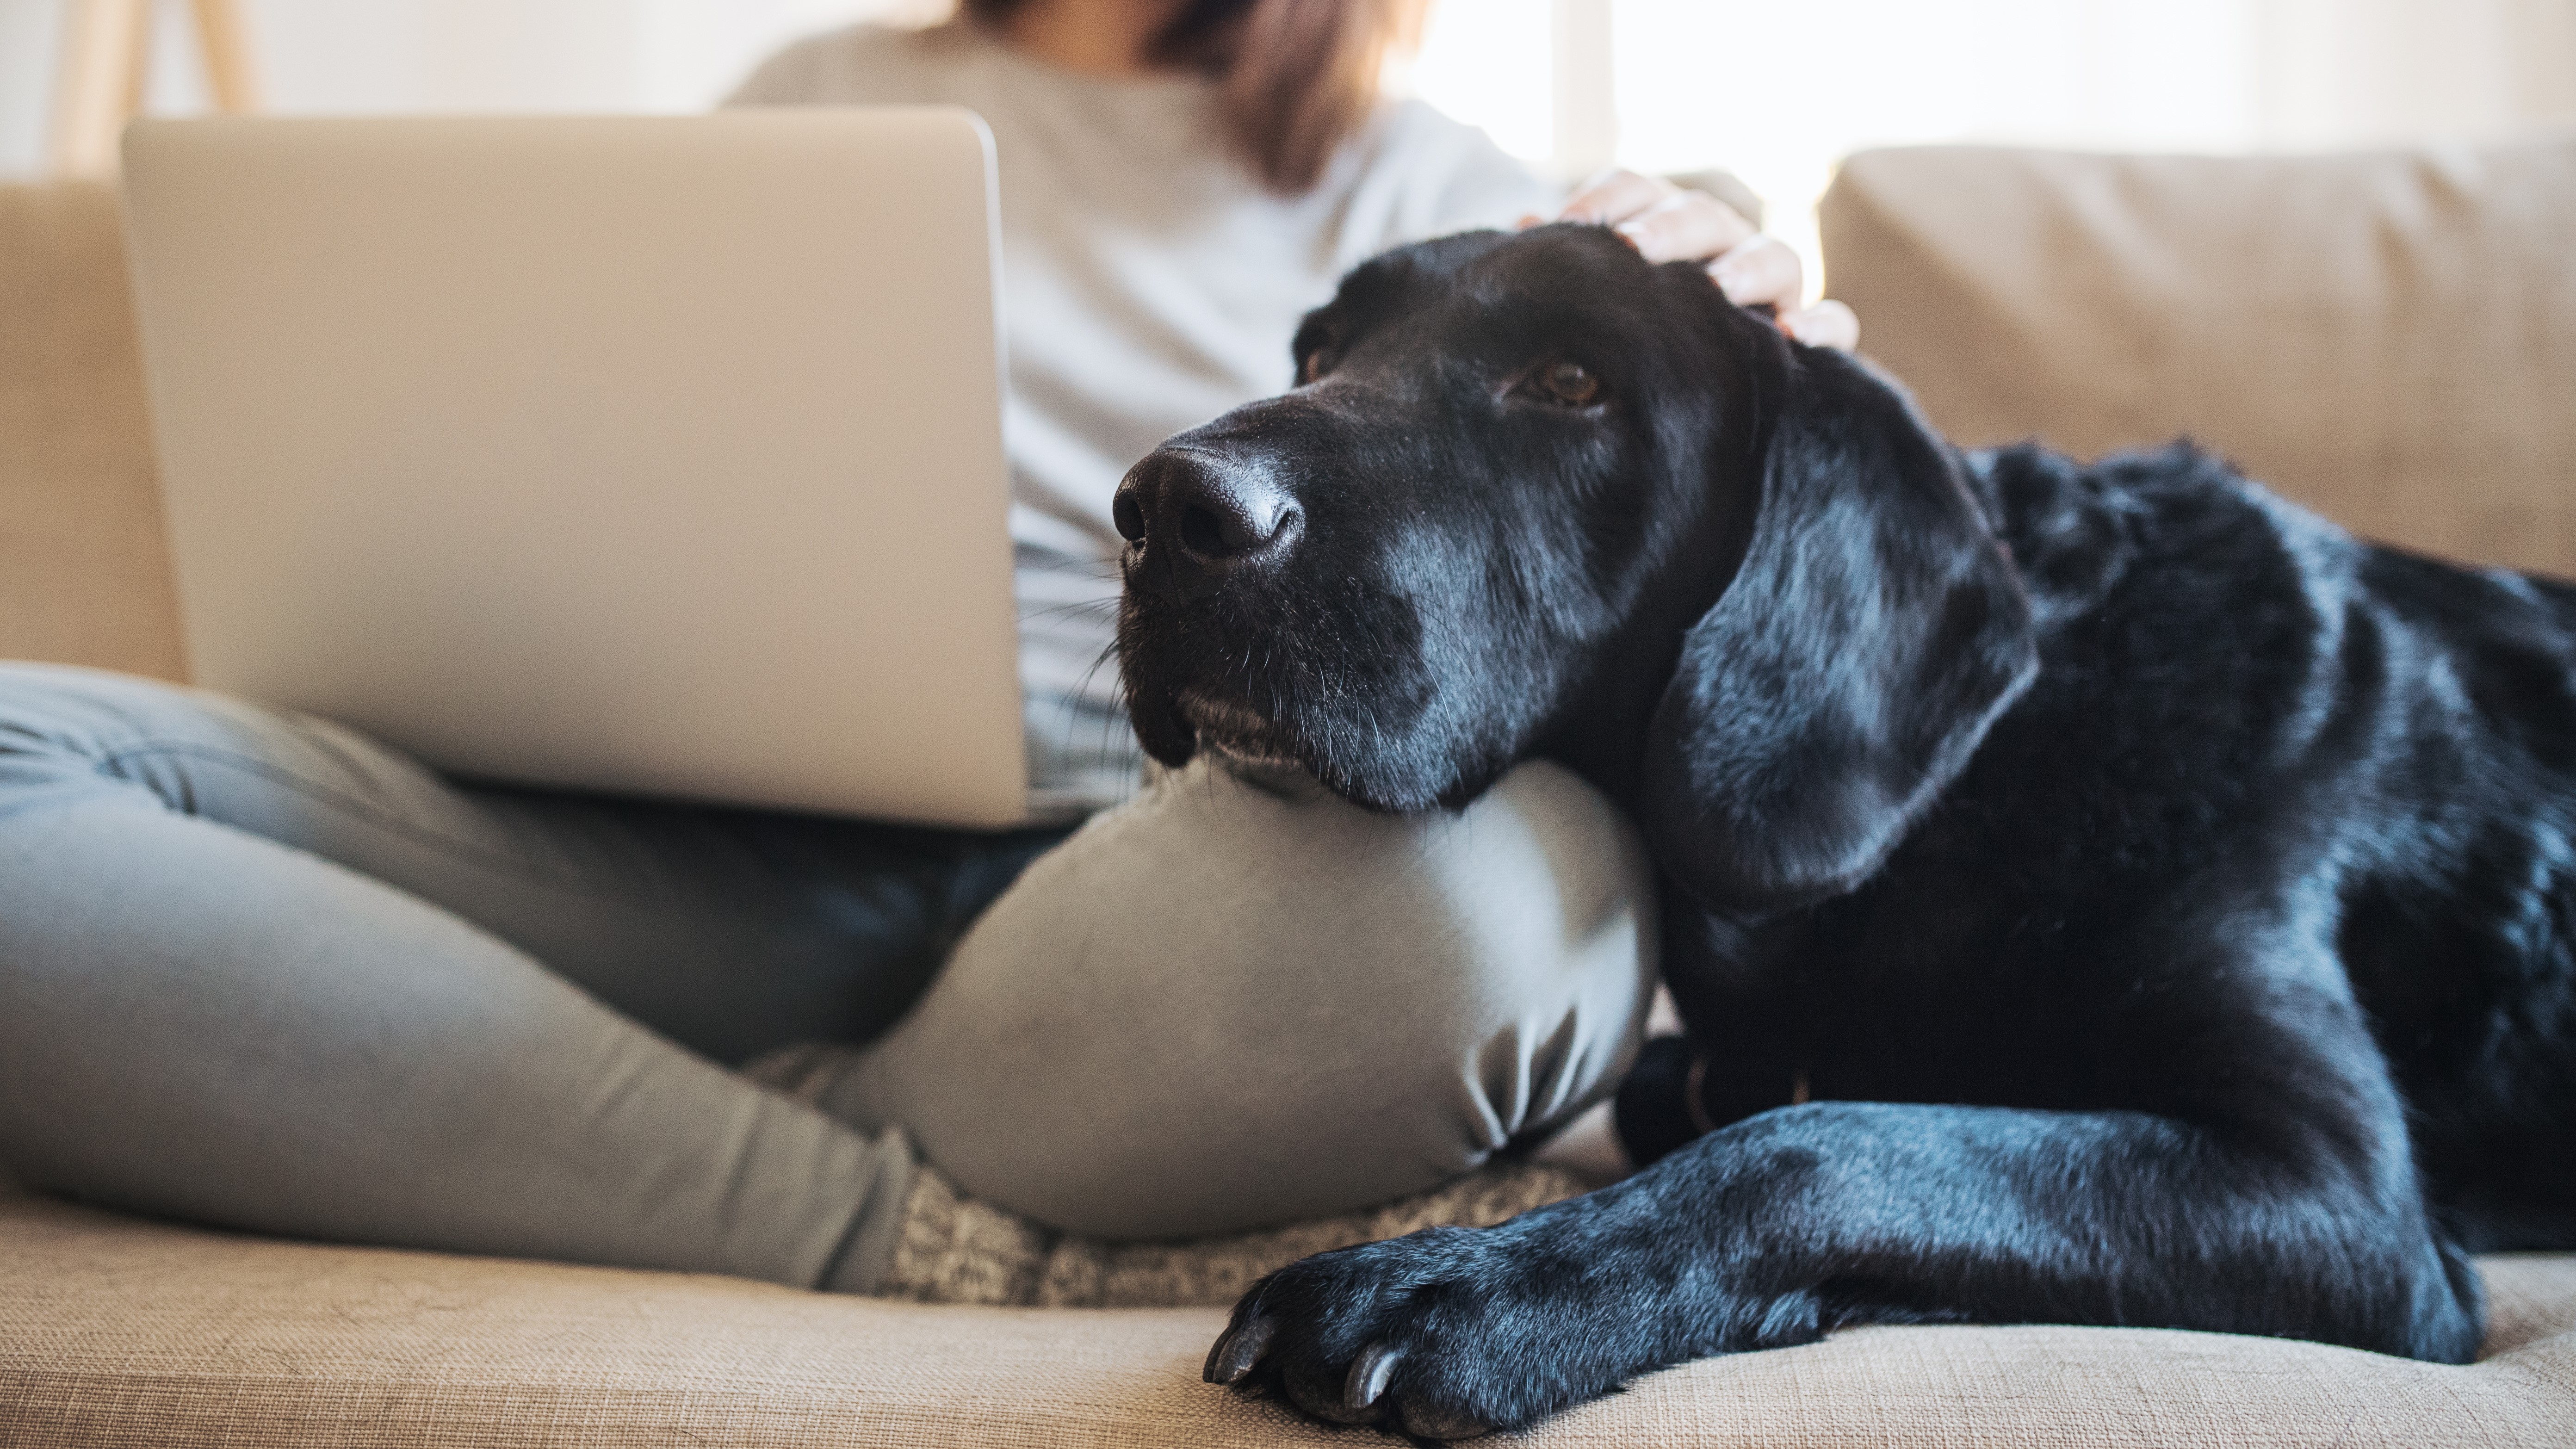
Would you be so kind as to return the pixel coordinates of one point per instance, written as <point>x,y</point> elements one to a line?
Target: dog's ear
<point>1873,631</point>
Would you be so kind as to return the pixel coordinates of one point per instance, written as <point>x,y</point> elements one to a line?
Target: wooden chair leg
<point>105,46</point>
<point>226,42</point>
<point>139,38</point>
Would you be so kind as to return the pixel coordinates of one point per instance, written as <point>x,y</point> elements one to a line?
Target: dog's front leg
<point>1804,1219</point>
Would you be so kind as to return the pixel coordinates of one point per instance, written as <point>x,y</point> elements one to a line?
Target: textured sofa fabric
<point>116,1330</point>
<point>2387,338</point>
<point>84,573</point>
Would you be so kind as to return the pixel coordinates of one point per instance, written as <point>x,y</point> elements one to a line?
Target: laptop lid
<point>642,454</point>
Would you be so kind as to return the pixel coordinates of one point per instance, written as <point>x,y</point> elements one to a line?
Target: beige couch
<point>2391,338</point>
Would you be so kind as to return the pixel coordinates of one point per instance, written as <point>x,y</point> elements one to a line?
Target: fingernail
<point>1729,279</point>
<point>1633,233</point>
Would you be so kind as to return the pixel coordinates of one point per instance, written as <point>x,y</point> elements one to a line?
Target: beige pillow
<point>2388,338</point>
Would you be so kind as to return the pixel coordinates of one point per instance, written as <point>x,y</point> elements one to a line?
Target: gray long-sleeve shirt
<point>1149,282</point>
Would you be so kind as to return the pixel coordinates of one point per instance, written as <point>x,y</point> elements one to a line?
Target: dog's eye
<point>1570,383</point>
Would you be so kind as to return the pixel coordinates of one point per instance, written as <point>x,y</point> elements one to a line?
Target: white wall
<point>29,41</point>
<point>441,55</point>
<point>1774,89</point>
<point>2338,71</point>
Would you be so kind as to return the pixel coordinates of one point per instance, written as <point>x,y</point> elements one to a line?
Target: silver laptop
<point>657,455</point>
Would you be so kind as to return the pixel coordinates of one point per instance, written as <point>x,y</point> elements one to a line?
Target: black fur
<point>2163,897</point>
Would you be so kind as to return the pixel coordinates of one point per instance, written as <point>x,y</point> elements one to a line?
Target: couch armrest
<point>84,567</point>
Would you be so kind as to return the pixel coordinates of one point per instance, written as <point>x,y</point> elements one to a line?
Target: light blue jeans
<point>259,971</point>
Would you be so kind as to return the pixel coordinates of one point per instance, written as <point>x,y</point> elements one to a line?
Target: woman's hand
<point>1668,223</point>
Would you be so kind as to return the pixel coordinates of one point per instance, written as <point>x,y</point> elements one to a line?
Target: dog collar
<point>1697,1079</point>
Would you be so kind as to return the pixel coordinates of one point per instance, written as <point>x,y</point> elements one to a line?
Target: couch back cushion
<point>2387,338</point>
<point>84,568</point>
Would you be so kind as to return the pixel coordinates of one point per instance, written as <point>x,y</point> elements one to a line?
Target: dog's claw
<point>1369,1373</point>
<point>1238,1350</point>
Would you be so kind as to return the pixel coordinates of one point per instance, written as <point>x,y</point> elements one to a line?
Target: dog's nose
<point>1205,514</point>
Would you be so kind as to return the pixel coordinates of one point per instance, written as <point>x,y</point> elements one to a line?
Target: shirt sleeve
<point>1448,177</point>
<point>785,79</point>
<point>1488,186</point>
<point>855,65</point>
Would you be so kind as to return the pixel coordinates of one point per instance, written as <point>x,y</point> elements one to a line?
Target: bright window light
<point>1486,63</point>
<point>1777,93</point>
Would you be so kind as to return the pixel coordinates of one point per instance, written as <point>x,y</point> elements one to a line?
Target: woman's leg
<point>258,971</point>
<point>1236,1002</point>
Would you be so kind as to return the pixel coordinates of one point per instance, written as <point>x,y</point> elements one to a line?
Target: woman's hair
<point>1299,77</point>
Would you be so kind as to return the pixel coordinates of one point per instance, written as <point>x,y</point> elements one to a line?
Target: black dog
<point>2097,894</point>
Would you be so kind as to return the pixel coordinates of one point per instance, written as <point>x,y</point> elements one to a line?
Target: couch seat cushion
<point>114,1330</point>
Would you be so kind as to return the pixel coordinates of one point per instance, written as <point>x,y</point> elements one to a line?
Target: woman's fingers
<point>1664,222</point>
<point>1761,271</point>
<point>1827,324</point>
<point>1689,226</point>
<point>1615,196</point>
<point>1667,223</point>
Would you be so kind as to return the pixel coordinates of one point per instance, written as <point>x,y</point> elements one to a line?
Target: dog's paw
<point>1443,1334</point>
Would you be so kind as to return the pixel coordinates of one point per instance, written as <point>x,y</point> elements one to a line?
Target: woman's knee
<point>1236,1002</point>
<point>71,736</point>
<point>66,733</point>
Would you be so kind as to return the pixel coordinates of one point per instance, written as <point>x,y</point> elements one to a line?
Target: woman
<point>260,971</point>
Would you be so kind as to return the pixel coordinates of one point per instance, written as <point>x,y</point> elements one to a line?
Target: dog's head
<point>1534,495</point>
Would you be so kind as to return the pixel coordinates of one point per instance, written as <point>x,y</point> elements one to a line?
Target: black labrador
<point>2097,894</point>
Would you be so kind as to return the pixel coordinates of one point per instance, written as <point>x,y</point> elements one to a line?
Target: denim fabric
<point>260,971</point>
